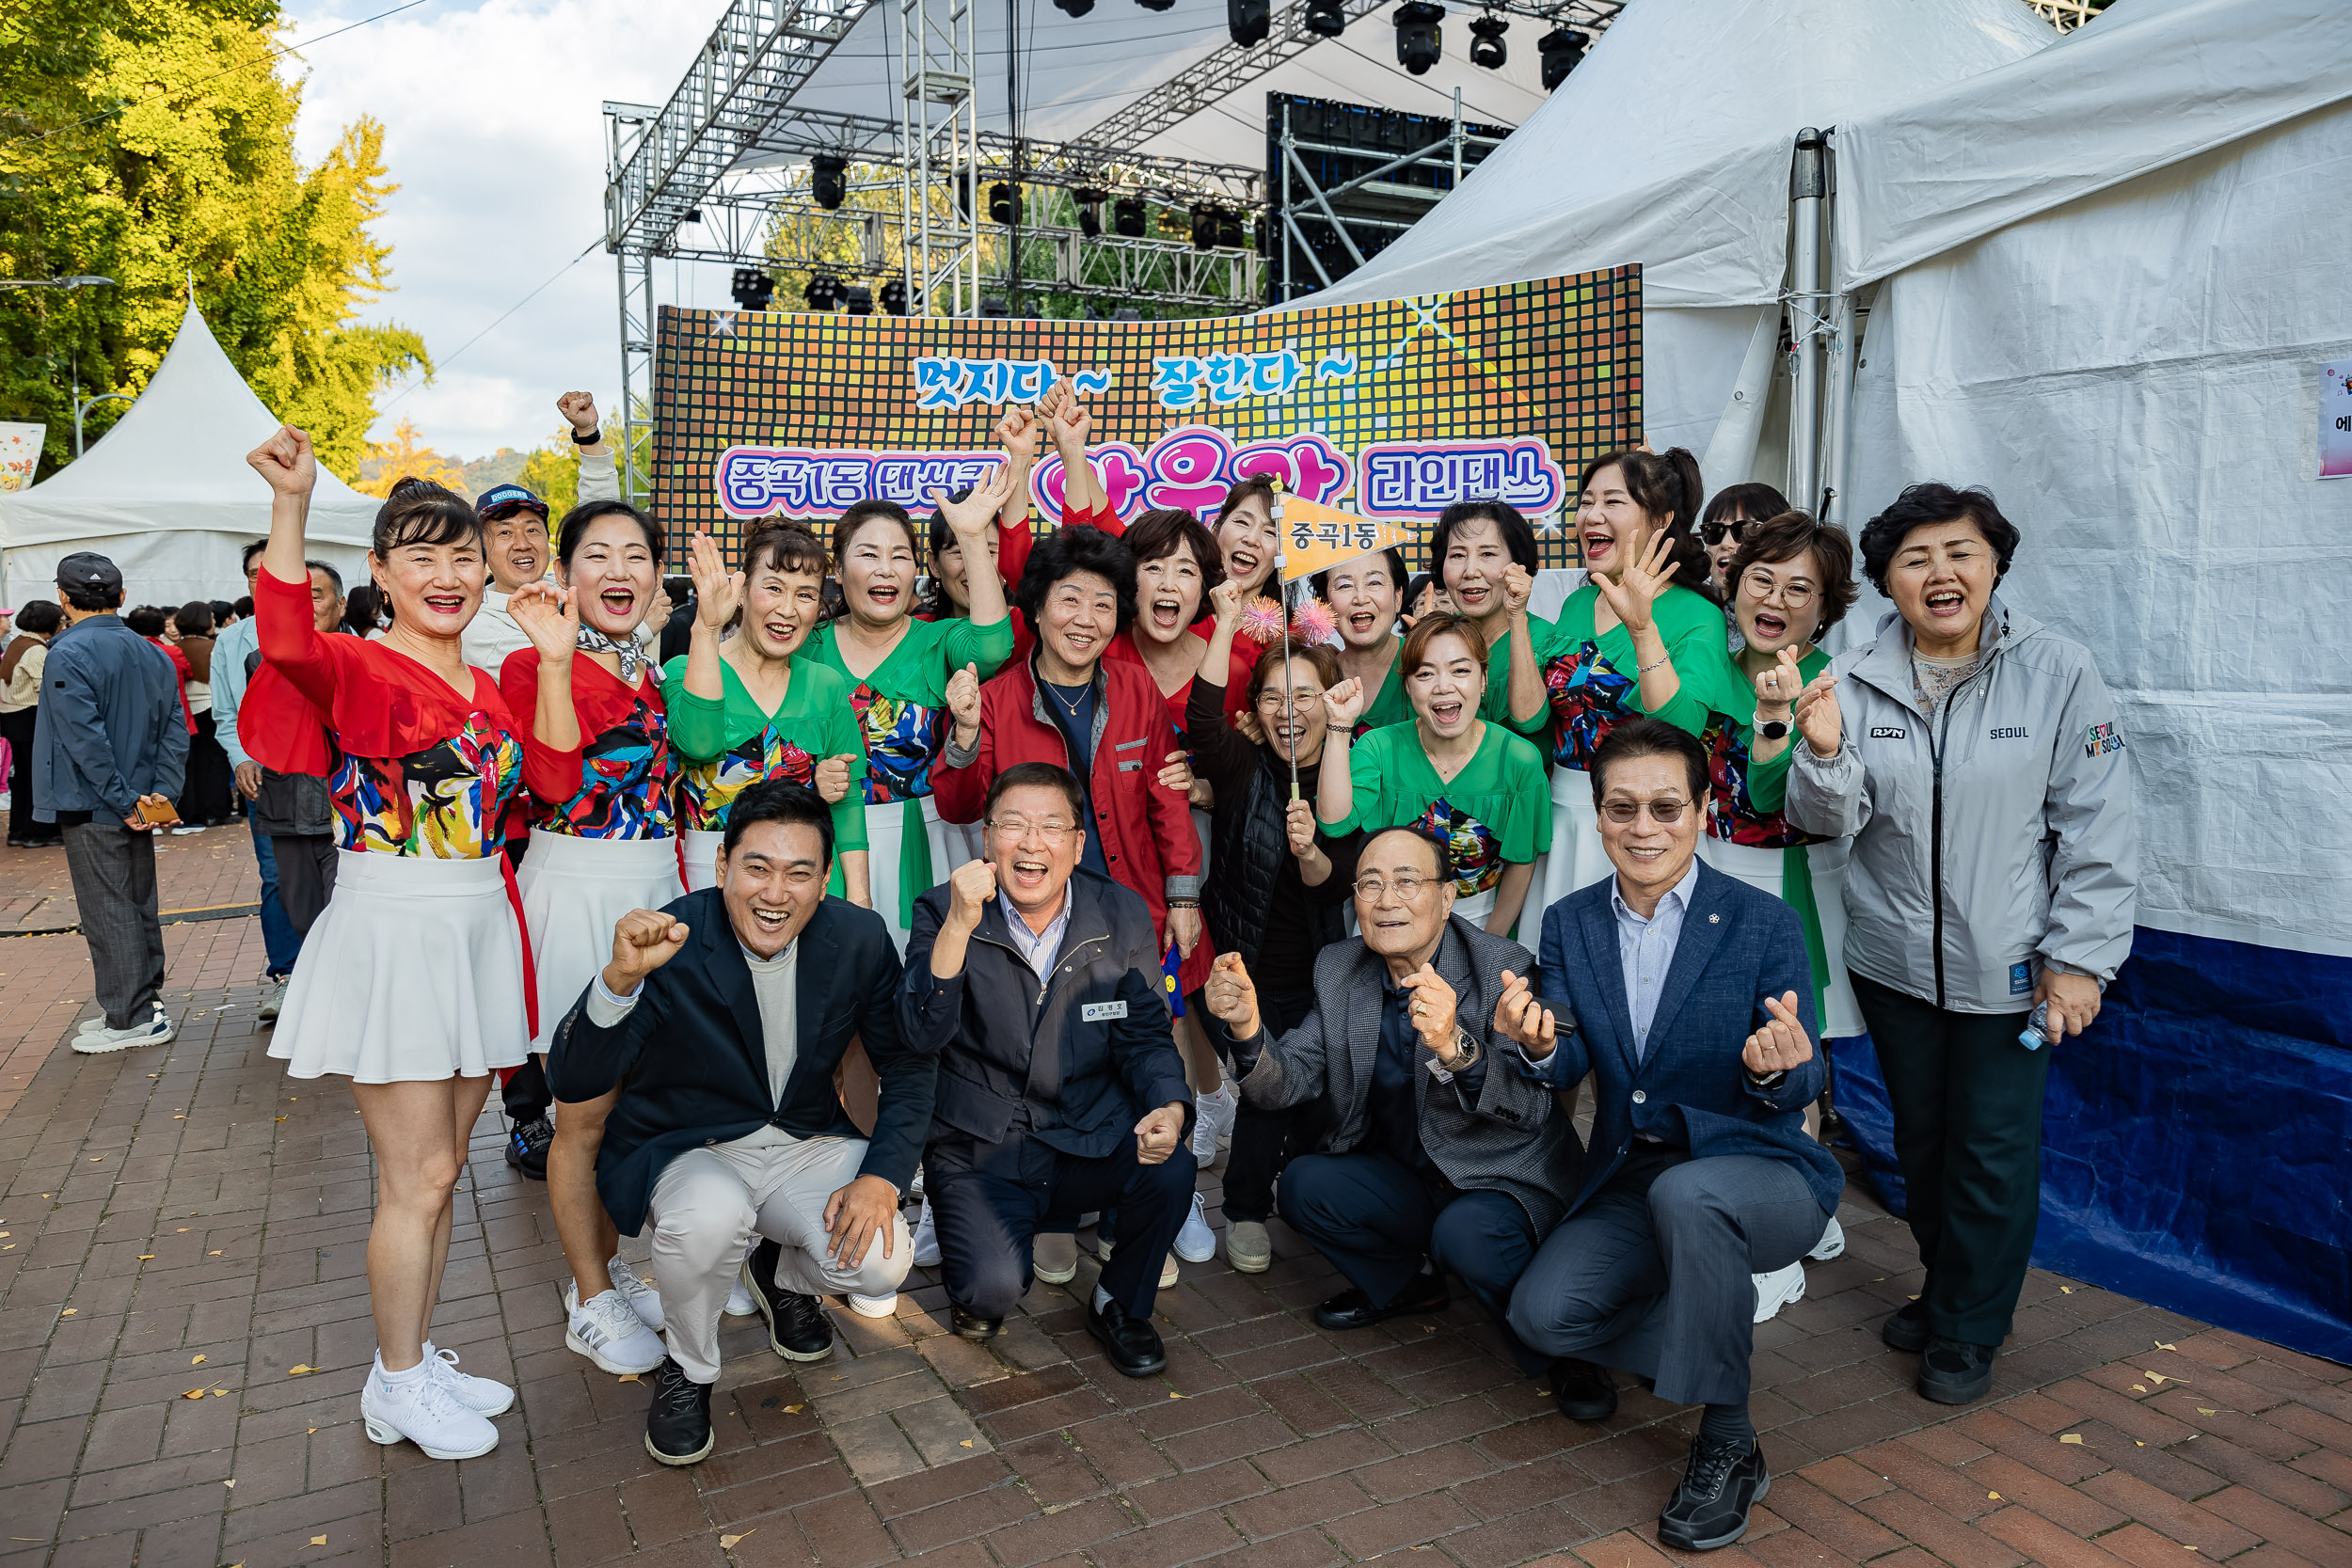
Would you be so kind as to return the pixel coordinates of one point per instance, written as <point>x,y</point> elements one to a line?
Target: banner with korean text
<point>1392,410</point>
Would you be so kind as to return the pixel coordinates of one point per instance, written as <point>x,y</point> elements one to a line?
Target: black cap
<point>89,571</point>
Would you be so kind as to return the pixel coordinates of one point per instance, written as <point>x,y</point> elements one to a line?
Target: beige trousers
<point>707,1202</point>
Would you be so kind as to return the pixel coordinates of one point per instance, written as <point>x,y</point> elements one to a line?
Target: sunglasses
<point>1712,535</point>
<point>1665,812</point>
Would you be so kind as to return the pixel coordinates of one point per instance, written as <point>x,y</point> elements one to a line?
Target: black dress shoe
<point>971,1326</point>
<point>1907,1330</point>
<point>1582,1391</point>
<point>1352,1309</point>
<point>797,1329</point>
<point>526,1147</point>
<point>1711,1507</point>
<point>677,1423</point>
<point>1133,1343</point>
<point>1952,1373</point>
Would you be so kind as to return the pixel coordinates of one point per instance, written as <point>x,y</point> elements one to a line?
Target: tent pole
<point>1808,183</point>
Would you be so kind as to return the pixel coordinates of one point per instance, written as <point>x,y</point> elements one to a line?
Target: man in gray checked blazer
<point>1434,1163</point>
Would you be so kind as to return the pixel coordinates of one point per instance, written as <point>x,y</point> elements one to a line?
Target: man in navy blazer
<point>1693,999</point>
<point>723,1017</point>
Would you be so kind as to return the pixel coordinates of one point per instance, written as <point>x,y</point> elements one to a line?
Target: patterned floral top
<point>616,785</point>
<point>1496,811</point>
<point>724,747</point>
<point>901,704</point>
<point>1592,676</point>
<point>447,801</point>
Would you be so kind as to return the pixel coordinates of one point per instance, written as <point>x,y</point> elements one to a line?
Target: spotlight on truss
<point>1488,49</point>
<point>826,182</point>
<point>822,292</point>
<point>1324,18</point>
<point>1418,45</point>
<point>753,288</point>
<point>1128,217</point>
<point>1247,21</point>
<point>893,297</point>
<point>1561,49</point>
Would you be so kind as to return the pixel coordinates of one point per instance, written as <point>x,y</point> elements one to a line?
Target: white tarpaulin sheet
<point>167,495</point>
<point>1670,147</point>
<point>2122,340</point>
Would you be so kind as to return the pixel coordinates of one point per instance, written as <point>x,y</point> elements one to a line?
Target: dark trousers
<point>989,1200</point>
<point>305,864</point>
<point>114,893</point>
<point>208,784</point>
<point>281,945</point>
<point>1655,1272</point>
<point>1967,1101</point>
<point>1266,1141</point>
<point>17,730</point>
<point>1375,1221</point>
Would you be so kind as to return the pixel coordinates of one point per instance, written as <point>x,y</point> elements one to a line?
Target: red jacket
<point>1145,830</point>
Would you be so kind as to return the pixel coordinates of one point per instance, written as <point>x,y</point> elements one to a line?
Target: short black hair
<point>1065,552</point>
<point>244,557</point>
<point>1788,535</point>
<point>332,576</point>
<point>1320,581</point>
<point>195,618</point>
<point>245,607</point>
<point>222,609</point>
<point>1518,534</point>
<point>1049,775</point>
<point>91,598</point>
<point>147,620</point>
<point>418,512</point>
<point>1921,505</point>
<point>1437,846</point>
<point>40,616</point>
<point>580,518</point>
<point>1649,737</point>
<point>780,801</point>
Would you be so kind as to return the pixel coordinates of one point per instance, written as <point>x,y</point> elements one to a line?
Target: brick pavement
<point>206,872</point>
<point>184,1220</point>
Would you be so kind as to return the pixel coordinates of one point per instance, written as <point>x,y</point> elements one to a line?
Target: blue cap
<point>507,498</point>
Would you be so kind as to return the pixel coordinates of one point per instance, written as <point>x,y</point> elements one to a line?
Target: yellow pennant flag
<point>1315,538</point>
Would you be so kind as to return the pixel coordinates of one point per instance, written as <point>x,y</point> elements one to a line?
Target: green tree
<point>152,141</point>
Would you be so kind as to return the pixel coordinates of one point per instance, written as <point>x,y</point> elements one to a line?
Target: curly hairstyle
<point>1789,537</point>
<point>780,545</point>
<point>1067,551</point>
<point>1919,506</point>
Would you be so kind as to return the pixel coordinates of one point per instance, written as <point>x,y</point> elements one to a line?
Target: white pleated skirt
<point>1766,870</point>
<point>1574,859</point>
<point>413,973</point>
<point>699,862</point>
<point>574,891</point>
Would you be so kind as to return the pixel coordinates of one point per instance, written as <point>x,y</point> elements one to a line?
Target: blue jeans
<point>279,939</point>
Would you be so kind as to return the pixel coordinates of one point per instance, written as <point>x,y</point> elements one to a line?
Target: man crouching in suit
<point>1036,986</point>
<point>1693,1003</point>
<point>723,1016</point>
<point>1437,1161</point>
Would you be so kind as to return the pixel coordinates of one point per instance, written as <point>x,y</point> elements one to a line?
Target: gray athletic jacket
<point>1989,842</point>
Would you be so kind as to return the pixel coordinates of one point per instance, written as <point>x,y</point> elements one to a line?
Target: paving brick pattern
<point>183,1330</point>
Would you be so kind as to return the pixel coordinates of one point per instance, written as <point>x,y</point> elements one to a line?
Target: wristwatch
<point>1465,1053</point>
<point>588,440</point>
<point>1769,729</point>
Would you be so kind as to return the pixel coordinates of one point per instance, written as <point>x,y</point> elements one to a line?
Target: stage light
<point>1204,228</point>
<point>1074,8</point>
<point>1089,211</point>
<point>1001,201</point>
<point>825,181</point>
<point>860,299</point>
<point>1128,217</point>
<point>1247,21</point>
<point>1560,49</point>
<point>753,288</point>
<point>1418,45</point>
<point>993,308</point>
<point>894,297</point>
<point>822,292</point>
<point>1229,230</point>
<point>1487,48</point>
<point>1127,313</point>
<point>1158,5</point>
<point>1324,18</point>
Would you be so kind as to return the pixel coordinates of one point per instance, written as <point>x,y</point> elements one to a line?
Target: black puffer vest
<point>1247,849</point>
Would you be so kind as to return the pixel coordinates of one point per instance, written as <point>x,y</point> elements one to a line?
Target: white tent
<point>2111,272</point>
<point>1670,145</point>
<point>167,495</point>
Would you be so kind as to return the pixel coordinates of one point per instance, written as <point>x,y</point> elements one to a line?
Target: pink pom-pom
<point>1261,621</point>
<point>1313,623</point>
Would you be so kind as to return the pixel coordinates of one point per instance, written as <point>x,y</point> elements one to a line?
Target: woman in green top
<point>1792,579</point>
<point>747,709</point>
<point>1367,597</point>
<point>1626,501</point>
<point>898,670</point>
<point>1483,557</point>
<point>1472,785</point>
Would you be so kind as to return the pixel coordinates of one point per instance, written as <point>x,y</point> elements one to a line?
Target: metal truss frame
<point>938,142</point>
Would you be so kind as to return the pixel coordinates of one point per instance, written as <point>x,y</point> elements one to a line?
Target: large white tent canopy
<point>167,495</point>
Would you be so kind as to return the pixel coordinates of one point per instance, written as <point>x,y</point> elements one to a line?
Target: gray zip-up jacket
<point>1989,842</point>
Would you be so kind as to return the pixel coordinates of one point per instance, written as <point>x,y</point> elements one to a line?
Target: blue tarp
<point>2197,1142</point>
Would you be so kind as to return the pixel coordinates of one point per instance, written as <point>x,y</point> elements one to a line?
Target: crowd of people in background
<point>932,890</point>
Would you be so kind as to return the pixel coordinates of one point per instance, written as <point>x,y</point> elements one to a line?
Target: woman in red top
<point>603,843</point>
<point>413,983</point>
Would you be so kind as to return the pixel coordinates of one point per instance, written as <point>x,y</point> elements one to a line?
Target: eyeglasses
<point>1763,585</point>
<point>1052,831</point>
<point>1664,812</point>
<point>1303,704</point>
<point>1714,534</point>
<point>1407,887</point>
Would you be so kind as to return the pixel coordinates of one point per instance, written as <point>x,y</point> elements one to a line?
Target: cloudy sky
<point>494,129</point>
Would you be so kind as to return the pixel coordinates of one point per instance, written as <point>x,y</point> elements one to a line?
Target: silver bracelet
<point>1663,659</point>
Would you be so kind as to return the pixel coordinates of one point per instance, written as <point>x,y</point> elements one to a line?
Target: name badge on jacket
<point>1096,1012</point>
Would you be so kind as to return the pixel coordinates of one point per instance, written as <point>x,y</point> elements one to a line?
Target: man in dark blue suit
<point>723,1017</point>
<point>1692,1000</point>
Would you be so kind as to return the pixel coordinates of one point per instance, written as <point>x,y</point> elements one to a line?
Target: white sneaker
<point>185,829</point>
<point>1781,1287</point>
<point>1195,1243</point>
<point>483,1396</point>
<point>875,1306</point>
<point>606,1331</point>
<point>425,1411</point>
<point>1212,1116</point>
<point>1167,1272</point>
<point>157,1030</point>
<point>926,1239</point>
<point>1832,1245</point>
<point>642,1298</point>
<point>273,999</point>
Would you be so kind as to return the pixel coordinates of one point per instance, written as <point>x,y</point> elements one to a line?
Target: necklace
<point>1068,706</point>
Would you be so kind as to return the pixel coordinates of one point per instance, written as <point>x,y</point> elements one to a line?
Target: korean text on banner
<point>1314,538</point>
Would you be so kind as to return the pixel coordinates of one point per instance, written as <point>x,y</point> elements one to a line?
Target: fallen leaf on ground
<point>2140,1387</point>
<point>199,1361</point>
<point>277,1119</point>
<point>1992,1496</point>
<point>230,1482</point>
<point>69,1312</point>
<point>318,1541</point>
<point>2066,1289</point>
<point>2161,1345</point>
<point>146,1256</point>
<point>629,1377</point>
<point>726,1542</point>
<point>218,1392</point>
<point>297,1372</point>
<point>2202,1411</point>
<point>2074,1437</point>
<point>214,1253</point>
<point>2159,1377</point>
<point>791,1409</point>
<point>965,1443</point>
<point>193,1394</point>
<point>1174,1395</point>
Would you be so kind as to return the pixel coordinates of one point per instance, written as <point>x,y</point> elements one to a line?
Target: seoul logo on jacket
<point>2102,738</point>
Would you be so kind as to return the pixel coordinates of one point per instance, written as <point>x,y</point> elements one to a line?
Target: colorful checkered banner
<point>1390,411</point>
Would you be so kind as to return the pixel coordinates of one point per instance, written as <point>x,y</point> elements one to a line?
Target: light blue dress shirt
<point>1647,948</point>
<point>228,651</point>
<point>1038,949</point>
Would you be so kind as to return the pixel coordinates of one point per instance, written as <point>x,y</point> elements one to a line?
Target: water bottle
<point>2031,1037</point>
